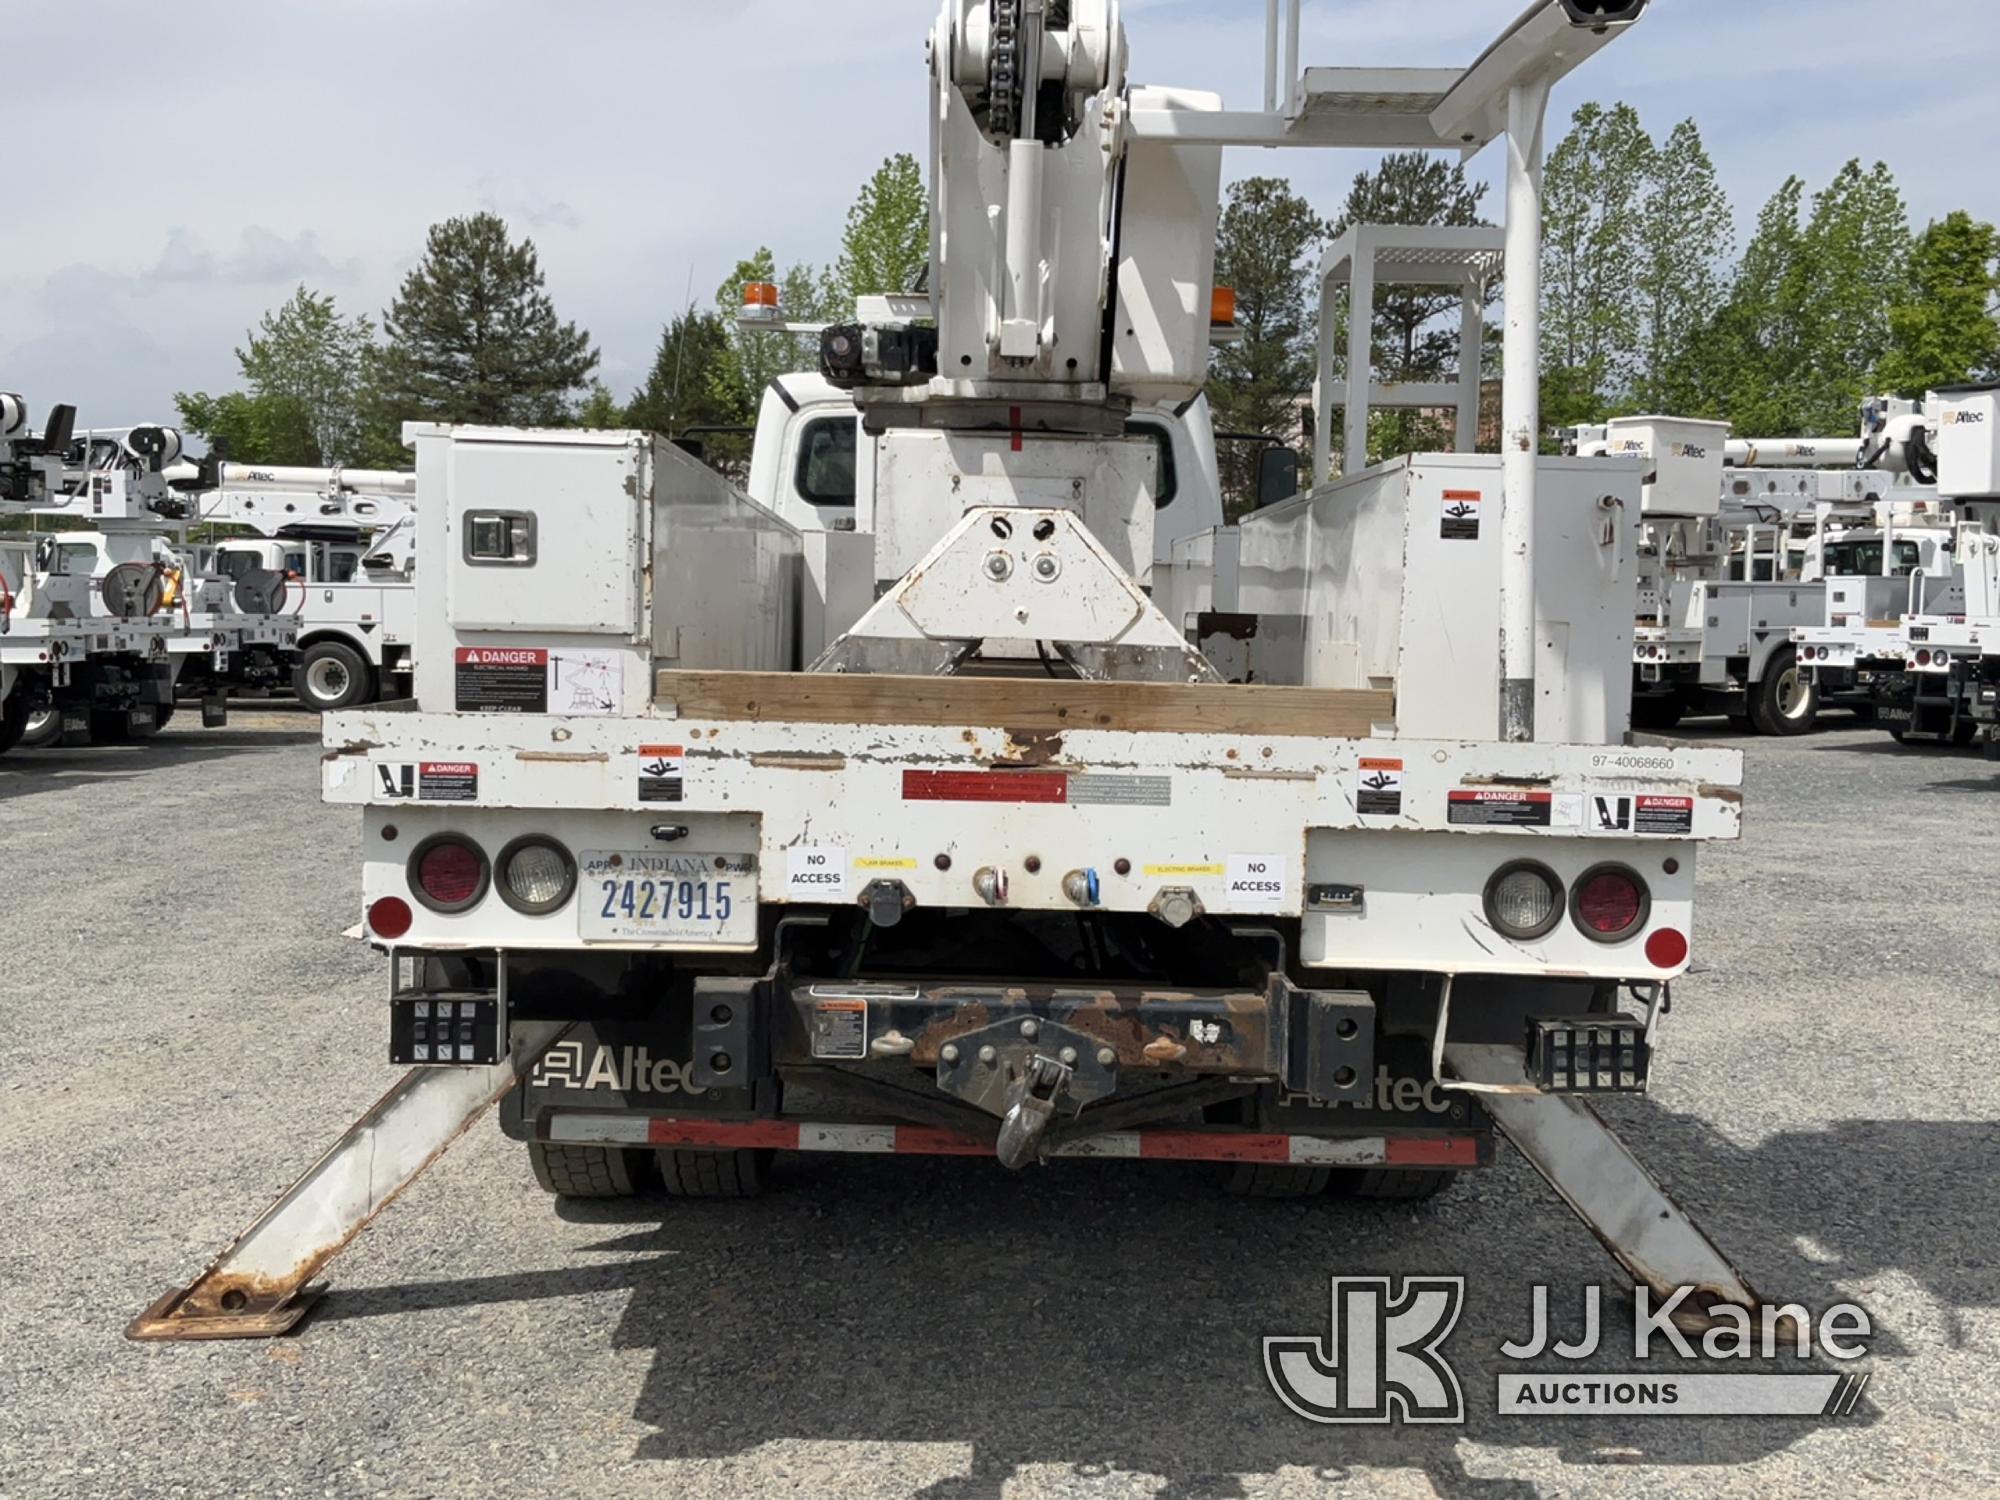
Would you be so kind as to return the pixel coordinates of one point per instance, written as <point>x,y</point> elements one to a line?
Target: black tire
<point>1740,724</point>
<point>1265,1180</point>
<point>43,727</point>
<point>1657,711</point>
<point>715,1174</point>
<point>332,676</point>
<point>1785,700</point>
<point>1898,735</point>
<point>13,724</point>
<point>590,1171</point>
<point>1403,1184</point>
<point>1963,732</point>
<point>163,715</point>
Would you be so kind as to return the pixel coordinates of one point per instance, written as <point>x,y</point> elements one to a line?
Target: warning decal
<point>661,776</point>
<point>1667,815</point>
<point>840,1028</point>
<point>1459,515</point>
<point>428,780</point>
<point>1500,808</point>
<point>501,680</point>
<point>1378,788</point>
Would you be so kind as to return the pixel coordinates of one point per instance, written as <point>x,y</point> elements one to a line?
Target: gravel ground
<point>190,1028</point>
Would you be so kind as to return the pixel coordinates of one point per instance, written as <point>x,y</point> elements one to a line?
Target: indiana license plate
<point>686,898</point>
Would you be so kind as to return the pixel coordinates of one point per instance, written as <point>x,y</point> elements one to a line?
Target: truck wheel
<point>1785,700</point>
<point>1657,711</point>
<point>331,676</point>
<point>42,727</point>
<point>1963,732</point>
<point>1403,1183</point>
<point>13,724</point>
<point>589,1171</point>
<point>1270,1180</point>
<point>714,1174</point>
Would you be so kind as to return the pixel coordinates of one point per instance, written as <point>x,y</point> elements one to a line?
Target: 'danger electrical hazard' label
<point>500,680</point>
<point>1499,808</point>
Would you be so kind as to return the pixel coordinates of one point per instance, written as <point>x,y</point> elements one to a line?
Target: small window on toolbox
<point>1163,447</point>
<point>499,538</point>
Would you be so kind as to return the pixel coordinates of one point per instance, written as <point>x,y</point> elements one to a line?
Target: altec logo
<point>627,1069</point>
<point>1379,1361</point>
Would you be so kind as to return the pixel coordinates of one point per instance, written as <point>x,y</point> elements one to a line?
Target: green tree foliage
<point>1685,240</point>
<point>694,383</point>
<point>887,243</point>
<point>802,298</point>
<point>1410,341</point>
<point>1943,330</point>
<point>600,409</point>
<point>474,337</point>
<point>1266,248</point>
<point>302,368</point>
<point>1593,205</point>
<point>1806,329</point>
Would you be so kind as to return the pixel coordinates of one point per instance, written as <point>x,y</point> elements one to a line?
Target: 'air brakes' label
<point>1378,788</point>
<point>1499,807</point>
<point>661,773</point>
<point>501,680</point>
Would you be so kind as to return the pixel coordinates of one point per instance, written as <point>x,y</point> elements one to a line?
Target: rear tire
<point>1657,712</point>
<point>1785,700</point>
<point>332,676</point>
<point>42,727</point>
<point>590,1171</point>
<point>715,1174</point>
<point>1400,1184</point>
<point>1267,1180</point>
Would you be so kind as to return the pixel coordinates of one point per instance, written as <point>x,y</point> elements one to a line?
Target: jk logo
<point>1379,1361</point>
<point>1614,814</point>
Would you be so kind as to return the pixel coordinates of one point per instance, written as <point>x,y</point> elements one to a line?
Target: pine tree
<point>694,383</point>
<point>1266,249</point>
<point>474,337</point>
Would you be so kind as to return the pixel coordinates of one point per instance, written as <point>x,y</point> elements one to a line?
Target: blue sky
<point>155,207</point>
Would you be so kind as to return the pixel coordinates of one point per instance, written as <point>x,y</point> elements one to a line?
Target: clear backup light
<point>536,875</point>
<point>1524,900</point>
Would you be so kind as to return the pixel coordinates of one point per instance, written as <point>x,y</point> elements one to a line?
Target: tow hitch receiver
<point>1031,1102</point>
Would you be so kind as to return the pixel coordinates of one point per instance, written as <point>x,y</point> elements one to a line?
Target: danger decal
<point>500,680</point>
<point>1664,815</point>
<point>1500,808</point>
<point>427,781</point>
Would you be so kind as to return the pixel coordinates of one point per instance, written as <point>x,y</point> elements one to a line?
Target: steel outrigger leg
<point>258,1287</point>
<point>1623,1204</point>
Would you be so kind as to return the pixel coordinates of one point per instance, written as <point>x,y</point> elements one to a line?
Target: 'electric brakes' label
<point>661,773</point>
<point>1378,788</point>
<point>1499,807</point>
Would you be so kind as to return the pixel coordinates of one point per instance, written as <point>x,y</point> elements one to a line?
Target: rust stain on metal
<point>564,757</point>
<point>1729,794</point>
<point>1030,747</point>
<point>1164,1050</point>
<point>352,747</point>
<point>1507,780</point>
<point>1246,773</point>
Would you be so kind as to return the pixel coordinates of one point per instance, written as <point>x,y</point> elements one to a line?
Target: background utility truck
<point>1733,560</point>
<point>690,859</point>
<point>100,624</point>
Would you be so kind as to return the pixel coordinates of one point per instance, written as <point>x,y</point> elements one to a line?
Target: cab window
<point>826,461</point>
<point>341,564</point>
<point>233,564</point>
<point>78,559</point>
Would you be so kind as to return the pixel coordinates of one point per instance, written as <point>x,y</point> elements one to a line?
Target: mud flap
<point>260,1286</point>
<point>1564,1139</point>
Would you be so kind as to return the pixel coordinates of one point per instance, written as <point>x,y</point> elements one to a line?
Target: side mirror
<point>1277,475</point>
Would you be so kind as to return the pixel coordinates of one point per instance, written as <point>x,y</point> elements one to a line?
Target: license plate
<point>683,897</point>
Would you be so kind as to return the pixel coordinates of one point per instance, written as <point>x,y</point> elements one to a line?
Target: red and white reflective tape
<point>1433,1150</point>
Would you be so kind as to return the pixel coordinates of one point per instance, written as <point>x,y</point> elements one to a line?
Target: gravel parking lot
<point>187,1028</point>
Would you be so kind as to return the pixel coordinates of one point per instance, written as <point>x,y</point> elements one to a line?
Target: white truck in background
<point>704,837</point>
<point>1733,560</point>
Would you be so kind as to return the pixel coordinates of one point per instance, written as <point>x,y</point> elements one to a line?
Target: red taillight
<point>389,917</point>
<point>1609,903</point>
<point>449,873</point>
<point>1923,658</point>
<point>1666,949</point>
